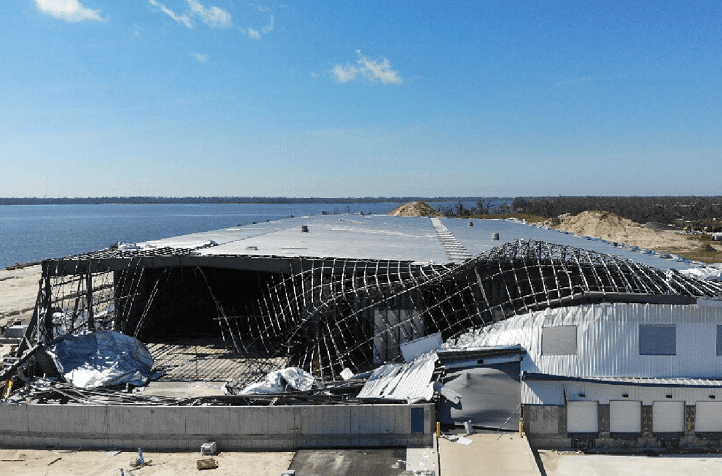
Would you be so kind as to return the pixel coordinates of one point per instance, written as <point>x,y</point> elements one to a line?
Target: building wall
<point>661,425</point>
<point>232,428</point>
<point>558,393</point>
<point>608,340</point>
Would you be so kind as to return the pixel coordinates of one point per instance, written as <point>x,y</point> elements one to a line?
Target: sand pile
<point>415,209</point>
<point>18,291</point>
<point>612,227</point>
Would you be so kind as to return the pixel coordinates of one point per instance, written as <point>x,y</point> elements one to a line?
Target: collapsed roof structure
<point>327,313</point>
<point>332,293</point>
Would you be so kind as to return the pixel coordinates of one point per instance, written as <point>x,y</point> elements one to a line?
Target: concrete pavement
<point>489,454</point>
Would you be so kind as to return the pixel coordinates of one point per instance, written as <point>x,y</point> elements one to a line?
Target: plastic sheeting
<point>102,359</point>
<point>708,273</point>
<point>279,381</point>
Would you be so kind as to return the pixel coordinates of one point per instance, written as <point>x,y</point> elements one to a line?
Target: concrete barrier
<point>282,428</point>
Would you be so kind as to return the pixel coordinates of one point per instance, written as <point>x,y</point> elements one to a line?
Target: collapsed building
<point>598,335</point>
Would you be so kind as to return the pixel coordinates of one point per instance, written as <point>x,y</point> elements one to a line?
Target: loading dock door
<point>668,417</point>
<point>625,416</point>
<point>708,417</point>
<point>582,417</point>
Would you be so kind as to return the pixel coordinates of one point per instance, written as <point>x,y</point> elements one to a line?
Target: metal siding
<point>668,417</point>
<point>582,417</point>
<point>625,416</point>
<point>608,340</point>
<point>542,393</point>
<point>708,417</point>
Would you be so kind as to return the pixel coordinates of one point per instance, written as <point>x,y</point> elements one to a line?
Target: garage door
<point>625,416</point>
<point>708,417</point>
<point>668,417</point>
<point>582,417</point>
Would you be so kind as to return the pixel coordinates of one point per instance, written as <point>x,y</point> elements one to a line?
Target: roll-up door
<point>582,417</point>
<point>708,417</point>
<point>668,417</point>
<point>625,416</point>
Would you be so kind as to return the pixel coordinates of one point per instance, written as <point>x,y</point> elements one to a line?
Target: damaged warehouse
<point>342,300</point>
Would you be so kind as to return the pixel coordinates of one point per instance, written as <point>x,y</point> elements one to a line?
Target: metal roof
<point>639,381</point>
<point>381,237</point>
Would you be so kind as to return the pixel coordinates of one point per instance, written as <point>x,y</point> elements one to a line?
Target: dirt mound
<point>415,209</point>
<point>612,227</point>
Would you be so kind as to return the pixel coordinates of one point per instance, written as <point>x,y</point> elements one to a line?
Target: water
<point>33,232</point>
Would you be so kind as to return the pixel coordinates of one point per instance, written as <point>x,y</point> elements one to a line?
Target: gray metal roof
<point>381,237</point>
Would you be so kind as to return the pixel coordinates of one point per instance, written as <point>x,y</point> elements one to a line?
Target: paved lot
<point>573,464</point>
<point>489,454</point>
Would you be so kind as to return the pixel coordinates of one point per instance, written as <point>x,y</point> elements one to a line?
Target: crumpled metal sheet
<point>102,359</point>
<point>409,382</point>
<point>279,381</point>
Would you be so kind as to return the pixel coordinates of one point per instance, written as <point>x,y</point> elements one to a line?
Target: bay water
<point>30,233</point>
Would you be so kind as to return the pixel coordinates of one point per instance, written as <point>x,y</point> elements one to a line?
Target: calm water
<point>33,232</point>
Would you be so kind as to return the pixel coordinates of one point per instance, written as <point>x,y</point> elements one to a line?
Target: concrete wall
<point>232,428</point>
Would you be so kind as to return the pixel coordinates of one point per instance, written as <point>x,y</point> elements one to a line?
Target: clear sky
<point>349,98</point>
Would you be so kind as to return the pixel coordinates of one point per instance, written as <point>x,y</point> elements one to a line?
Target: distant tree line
<point>489,206</point>
<point>215,200</point>
<point>639,209</point>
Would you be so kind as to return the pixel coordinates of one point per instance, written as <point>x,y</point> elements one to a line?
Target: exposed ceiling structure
<point>328,293</point>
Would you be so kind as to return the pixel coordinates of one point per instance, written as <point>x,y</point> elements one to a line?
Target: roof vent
<point>471,223</point>
<point>495,236</point>
<point>304,228</point>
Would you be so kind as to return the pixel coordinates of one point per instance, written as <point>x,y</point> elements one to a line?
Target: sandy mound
<point>18,290</point>
<point>612,227</point>
<point>415,209</point>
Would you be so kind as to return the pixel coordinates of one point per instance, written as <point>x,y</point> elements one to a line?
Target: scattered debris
<point>279,381</point>
<point>208,449</point>
<point>207,463</point>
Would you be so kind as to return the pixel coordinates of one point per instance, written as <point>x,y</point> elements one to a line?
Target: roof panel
<point>385,237</point>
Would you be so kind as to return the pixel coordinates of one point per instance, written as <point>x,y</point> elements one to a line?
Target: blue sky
<point>360,98</point>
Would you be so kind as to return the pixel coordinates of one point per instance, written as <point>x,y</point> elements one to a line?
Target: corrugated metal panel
<point>410,382</point>
<point>608,340</point>
<point>541,392</point>
<point>415,348</point>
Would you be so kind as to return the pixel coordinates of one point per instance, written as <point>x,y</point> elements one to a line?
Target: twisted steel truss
<point>338,313</point>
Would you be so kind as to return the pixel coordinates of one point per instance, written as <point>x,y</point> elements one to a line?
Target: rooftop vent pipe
<point>304,228</point>
<point>495,236</point>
